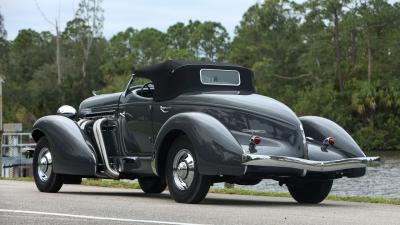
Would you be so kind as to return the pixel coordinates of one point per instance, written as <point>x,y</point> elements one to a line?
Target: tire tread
<point>310,192</point>
<point>55,181</point>
<point>201,184</point>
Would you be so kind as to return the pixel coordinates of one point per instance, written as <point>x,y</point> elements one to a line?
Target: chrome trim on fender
<point>305,164</point>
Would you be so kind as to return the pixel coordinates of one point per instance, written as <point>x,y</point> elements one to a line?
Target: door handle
<point>165,109</point>
<point>125,115</point>
<point>122,114</point>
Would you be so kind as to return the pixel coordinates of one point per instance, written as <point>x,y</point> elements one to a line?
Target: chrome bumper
<point>305,164</point>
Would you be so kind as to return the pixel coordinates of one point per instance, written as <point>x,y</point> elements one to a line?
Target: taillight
<point>255,140</point>
<point>331,141</point>
<point>327,141</point>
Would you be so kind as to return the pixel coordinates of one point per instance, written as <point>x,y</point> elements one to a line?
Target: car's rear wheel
<point>45,178</point>
<point>311,192</point>
<point>185,183</point>
<point>152,185</point>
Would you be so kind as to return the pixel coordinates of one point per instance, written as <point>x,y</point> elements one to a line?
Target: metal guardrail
<point>19,145</point>
<point>18,134</point>
<point>14,160</point>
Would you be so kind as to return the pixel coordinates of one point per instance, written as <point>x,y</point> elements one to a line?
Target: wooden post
<point>1,104</point>
<point>1,124</point>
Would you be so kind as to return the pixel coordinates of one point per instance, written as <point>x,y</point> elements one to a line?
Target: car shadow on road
<point>222,200</point>
<point>121,194</point>
<point>263,202</point>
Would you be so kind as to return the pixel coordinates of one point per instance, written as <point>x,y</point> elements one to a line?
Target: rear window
<point>220,77</point>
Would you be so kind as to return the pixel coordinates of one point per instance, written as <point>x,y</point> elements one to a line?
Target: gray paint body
<point>319,128</point>
<point>214,122</point>
<point>72,152</point>
<point>217,151</point>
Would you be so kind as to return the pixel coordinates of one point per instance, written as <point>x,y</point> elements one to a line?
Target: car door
<point>136,124</point>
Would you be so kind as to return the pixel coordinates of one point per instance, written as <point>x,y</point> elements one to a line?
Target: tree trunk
<point>58,62</point>
<point>338,52</point>
<point>353,48</point>
<point>83,68</point>
<point>83,83</point>
<point>369,54</point>
<point>59,77</point>
<point>85,58</point>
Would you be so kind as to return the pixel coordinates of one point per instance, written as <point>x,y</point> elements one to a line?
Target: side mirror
<point>67,111</point>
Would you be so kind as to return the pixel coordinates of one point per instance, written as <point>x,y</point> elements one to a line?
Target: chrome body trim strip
<point>98,114</point>
<point>305,164</point>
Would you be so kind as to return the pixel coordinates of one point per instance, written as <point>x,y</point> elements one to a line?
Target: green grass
<point>17,178</point>
<point>237,191</point>
<point>391,201</point>
<point>110,183</point>
<point>232,191</point>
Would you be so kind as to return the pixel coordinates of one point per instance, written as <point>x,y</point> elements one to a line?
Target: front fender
<point>70,147</point>
<point>318,129</point>
<point>217,151</point>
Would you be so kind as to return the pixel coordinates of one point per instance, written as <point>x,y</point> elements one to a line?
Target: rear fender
<point>318,129</point>
<point>217,151</point>
<point>71,149</point>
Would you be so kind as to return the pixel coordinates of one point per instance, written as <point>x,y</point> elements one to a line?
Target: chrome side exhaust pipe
<point>81,121</point>
<point>103,152</point>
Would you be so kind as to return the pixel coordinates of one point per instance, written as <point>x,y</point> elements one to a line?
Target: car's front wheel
<point>185,183</point>
<point>45,178</point>
<point>310,191</point>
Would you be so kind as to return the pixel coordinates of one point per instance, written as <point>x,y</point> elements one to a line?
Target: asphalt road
<point>21,203</point>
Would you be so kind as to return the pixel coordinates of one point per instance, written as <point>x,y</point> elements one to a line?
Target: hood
<point>99,102</point>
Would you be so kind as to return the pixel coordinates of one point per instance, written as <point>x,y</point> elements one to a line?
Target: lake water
<point>382,180</point>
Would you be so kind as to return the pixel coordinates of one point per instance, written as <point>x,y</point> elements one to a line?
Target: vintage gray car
<point>194,124</point>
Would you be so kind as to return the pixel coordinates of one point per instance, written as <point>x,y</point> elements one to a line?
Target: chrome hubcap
<point>183,169</point>
<point>44,164</point>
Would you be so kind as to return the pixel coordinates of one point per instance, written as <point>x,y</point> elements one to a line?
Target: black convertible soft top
<point>174,77</point>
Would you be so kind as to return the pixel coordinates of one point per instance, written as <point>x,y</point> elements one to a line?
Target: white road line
<point>94,217</point>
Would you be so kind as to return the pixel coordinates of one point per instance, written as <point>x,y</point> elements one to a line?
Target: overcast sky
<point>120,14</point>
